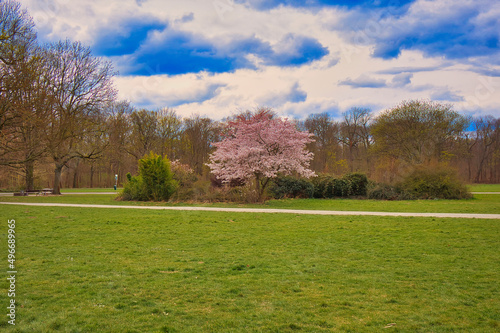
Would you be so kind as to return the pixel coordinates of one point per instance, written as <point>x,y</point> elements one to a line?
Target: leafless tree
<point>81,86</point>
<point>169,132</point>
<point>326,136</point>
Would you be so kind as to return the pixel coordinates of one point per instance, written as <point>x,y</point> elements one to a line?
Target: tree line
<point>62,125</point>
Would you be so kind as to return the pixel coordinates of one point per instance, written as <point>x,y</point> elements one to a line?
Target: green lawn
<point>105,270</point>
<point>88,190</point>
<point>485,188</point>
<point>481,204</point>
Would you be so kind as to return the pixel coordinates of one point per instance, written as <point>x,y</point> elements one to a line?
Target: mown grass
<point>481,204</point>
<point>89,190</point>
<point>485,188</point>
<point>104,270</point>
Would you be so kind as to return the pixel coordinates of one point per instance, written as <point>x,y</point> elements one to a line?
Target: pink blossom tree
<point>260,146</point>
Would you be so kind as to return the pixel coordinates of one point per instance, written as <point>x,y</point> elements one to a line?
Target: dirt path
<point>264,210</point>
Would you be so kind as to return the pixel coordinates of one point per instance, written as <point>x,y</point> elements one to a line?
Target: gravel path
<point>264,210</point>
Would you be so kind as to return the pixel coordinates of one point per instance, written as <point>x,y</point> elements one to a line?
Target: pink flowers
<point>260,145</point>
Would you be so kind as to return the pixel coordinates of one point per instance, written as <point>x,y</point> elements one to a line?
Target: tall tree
<point>17,32</point>
<point>325,144</point>
<point>22,92</point>
<point>169,131</point>
<point>119,136</point>
<point>144,136</point>
<point>487,144</point>
<point>198,135</point>
<point>261,147</point>
<point>355,134</point>
<point>81,86</point>
<point>417,132</point>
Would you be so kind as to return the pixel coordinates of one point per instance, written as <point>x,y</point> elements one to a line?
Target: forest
<point>62,126</point>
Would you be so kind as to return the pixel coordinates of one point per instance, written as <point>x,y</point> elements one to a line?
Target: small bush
<point>327,187</point>
<point>188,185</point>
<point>291,187</point>
<point>320,184</point>
<point>435,183</point>
<point>342,188</point>
<point>387,192</point>
<point>359,183</point>
<point>155,181</point>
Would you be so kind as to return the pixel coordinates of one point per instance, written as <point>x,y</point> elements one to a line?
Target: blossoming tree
<point>260,146</point>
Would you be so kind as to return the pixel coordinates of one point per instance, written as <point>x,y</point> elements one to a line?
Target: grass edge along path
<point>267,210</point>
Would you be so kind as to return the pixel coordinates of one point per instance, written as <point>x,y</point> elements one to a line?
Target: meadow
<point>108,270</point>
<point>480,204</point>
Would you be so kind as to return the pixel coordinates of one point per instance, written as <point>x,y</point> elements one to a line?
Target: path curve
<point>265,210</point>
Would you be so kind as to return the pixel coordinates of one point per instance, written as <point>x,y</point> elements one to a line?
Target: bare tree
<point>22,92</point>
<point>487,143</point>
<point>144,136</point>
<point>17,32</point>
<point>355,135</point>
<point>169,132</point>
<point>326,136</point>
<point>80,85</point>
<point>198,136</point>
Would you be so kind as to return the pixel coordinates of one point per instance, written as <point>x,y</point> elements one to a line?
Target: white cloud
<point>414,74</point>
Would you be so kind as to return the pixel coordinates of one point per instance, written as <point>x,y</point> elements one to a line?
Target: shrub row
<point>160,180</point>
<point>423,183</point>
<point>354,184</point>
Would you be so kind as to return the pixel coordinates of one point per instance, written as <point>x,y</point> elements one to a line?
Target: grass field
<point>88,190</point>
<point>481,204</point>
<point>485,187</point>
<point>103,270</point>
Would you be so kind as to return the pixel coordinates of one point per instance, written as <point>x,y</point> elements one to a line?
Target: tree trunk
<point>92,175</point>
<point>75,175</point>
<point>30,175</point>
<point>257,187</point>
<point>260,186</point>
<point>57,179</point>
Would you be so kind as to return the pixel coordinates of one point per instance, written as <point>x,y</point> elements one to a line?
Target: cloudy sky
<point>217,57</point>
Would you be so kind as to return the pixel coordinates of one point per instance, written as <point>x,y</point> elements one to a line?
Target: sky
<point>218,57</point>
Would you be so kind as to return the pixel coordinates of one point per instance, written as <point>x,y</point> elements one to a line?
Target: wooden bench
<point>45,191</point>
<point>32,192</point>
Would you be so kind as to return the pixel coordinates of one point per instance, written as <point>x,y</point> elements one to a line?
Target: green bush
<point>342,188</point>
<point>423,183</point>
<point>327,187</point>
<point>320,184</point>
<point>388,192</point>
<point>359,183</point>
<point>435,183</point>
<point>188,185</point>
<point>154,183</point>
<point>291,187</point>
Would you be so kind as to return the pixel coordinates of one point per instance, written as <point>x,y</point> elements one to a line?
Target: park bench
<point>45,191</point>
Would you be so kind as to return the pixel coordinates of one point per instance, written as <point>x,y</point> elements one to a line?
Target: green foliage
<point>388,192</point>
<point>423,183</point>
<point>291,187</point>
<point>435,183</point>
<point>154,183</point>
<point>354,184</point>
<point>359,183</point>
<point>134,190</point>
<point>189,187</point>
<point>321,187</point>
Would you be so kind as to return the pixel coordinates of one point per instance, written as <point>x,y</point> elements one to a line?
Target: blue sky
<point>218,57</point>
